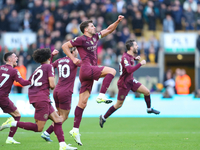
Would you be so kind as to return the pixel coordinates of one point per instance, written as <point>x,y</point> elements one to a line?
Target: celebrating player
<point>89,71</point>
<point>64,89</point>
<point>7,76</point>
<point>126,81</point>
<point>41,80</point>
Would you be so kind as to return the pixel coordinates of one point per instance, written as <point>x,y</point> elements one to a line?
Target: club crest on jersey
<point>45,116</point>
<point>94,39</point>
<point>91,42</point>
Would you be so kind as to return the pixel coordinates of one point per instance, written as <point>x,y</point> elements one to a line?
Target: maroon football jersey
<point>7,76</point>
<point>126,67</point>
<point>40,83</point>
<point>66,72</point>
<point>87,48</point>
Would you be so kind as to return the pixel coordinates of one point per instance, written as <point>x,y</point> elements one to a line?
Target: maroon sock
<point>110,111</point>
<point>28,126</point>
<point>13,129</point>
<point>50,129</point>
<point>78,116</point>
<point>59,132</point>
<point>148,101</point>
<point>106,82</point>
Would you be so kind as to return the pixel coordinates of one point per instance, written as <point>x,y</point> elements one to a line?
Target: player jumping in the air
<point>89,71</point>
<point>126,81</point>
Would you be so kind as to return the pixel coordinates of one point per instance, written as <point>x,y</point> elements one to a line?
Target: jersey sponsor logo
<point>92,48</point>
<point>126,62</point>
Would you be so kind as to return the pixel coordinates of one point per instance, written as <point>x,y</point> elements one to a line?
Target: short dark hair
<point>84,25</point>
<point>129,44</point>
<point>41,55</point>
<point>6,55</point>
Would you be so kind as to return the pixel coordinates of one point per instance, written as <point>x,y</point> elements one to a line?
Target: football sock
<point>62,144</point>
<point>78,116</point>
<point>10,138</point>
<point>148,101</point>
<point>50,129</point>
<point>59,132</point>
<point>110,111</point>
<point>103,117</point>
<point>28,126</point>
<point>13,129</point>
<point>76,130</point>
<point>106,82</point>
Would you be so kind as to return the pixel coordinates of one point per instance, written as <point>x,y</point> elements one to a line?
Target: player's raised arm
<point>66,48</point>
<point>131,69</point>
<point>55,52</point>
<point>111,27</point>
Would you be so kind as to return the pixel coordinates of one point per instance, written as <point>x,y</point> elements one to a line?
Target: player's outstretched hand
<point>143,62</point>
<point>120,17</point>
<point>55,52</point>
<point>76,61</point>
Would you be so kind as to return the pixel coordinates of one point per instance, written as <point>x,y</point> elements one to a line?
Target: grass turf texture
<point>117,134</point>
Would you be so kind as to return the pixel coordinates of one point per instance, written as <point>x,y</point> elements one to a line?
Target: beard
<point>135,51</point>
<point>15,65</point>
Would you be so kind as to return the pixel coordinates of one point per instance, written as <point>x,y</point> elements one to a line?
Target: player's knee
<point>147,93</point>
<point>117,106</point>
<point>83,105</point>
<point>17,114</point>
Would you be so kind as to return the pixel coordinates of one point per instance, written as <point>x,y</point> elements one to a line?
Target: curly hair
<point>41,55</point>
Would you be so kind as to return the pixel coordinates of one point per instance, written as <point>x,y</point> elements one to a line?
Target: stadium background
<point>28,25</point>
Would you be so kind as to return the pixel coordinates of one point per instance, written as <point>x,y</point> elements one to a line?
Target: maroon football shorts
<point>42,110</point>
<point>62,99</point>
<point>87,76</point>
<point>123,92</point>
<point>7,105</point>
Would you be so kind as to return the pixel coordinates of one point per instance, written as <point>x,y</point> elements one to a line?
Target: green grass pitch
<point>117,134</point>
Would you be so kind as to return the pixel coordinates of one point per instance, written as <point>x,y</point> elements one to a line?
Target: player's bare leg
<point>83,98</point>
<point>142,89</point>
<point>109,74</point>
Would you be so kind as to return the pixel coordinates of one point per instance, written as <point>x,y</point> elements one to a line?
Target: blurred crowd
<point>57,21</point>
